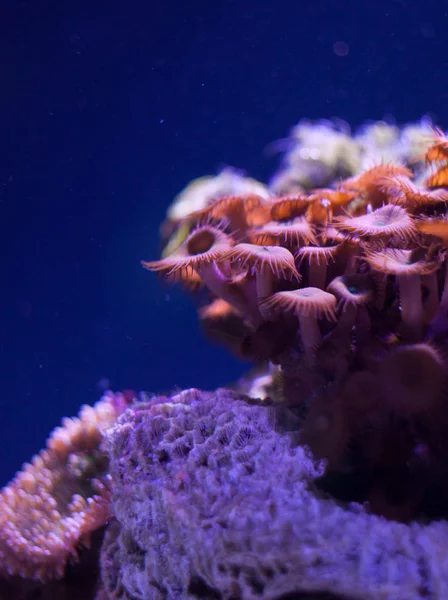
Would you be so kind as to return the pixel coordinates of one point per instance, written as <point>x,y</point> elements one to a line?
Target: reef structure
<point>344,290</point>
<point>323,474</point>
<point>212,502</point>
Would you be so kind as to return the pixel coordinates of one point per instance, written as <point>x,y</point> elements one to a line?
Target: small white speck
<point>167,298</point>
<point>161,120</point>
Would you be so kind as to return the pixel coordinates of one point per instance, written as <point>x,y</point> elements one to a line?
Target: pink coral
<point>58,499</point>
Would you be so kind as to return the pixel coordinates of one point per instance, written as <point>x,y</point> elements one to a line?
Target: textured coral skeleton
<point>223,507</point>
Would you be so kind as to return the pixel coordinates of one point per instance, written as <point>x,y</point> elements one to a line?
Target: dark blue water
<point>107,109</point>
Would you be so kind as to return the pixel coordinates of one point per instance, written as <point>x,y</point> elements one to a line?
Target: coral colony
<point>332,281</point>
<point>343,289</point>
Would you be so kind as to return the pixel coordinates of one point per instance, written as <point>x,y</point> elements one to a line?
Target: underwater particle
<point>427,30</point>
<point>103,384</point>
<point>341,48</point>
<point>25,309</point>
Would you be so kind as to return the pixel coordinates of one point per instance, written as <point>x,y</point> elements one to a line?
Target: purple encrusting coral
<point>212,501</point>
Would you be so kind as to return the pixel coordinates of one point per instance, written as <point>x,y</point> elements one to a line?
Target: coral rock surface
<point>213,501</point>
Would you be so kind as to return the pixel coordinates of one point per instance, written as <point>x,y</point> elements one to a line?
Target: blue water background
<point>107,109</point>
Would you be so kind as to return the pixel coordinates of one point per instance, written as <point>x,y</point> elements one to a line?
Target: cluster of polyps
<point>51,507</point>
<point>344,290</point>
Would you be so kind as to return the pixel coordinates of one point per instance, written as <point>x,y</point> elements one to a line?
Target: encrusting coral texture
<point>212,502</point>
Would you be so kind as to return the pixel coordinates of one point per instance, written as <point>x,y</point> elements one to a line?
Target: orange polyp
<point>205,245</point>
<point>286,208</point>
<point>289,234</point>
<point>386,221</point>
<point>439,178</point>
<point>308,305</point>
